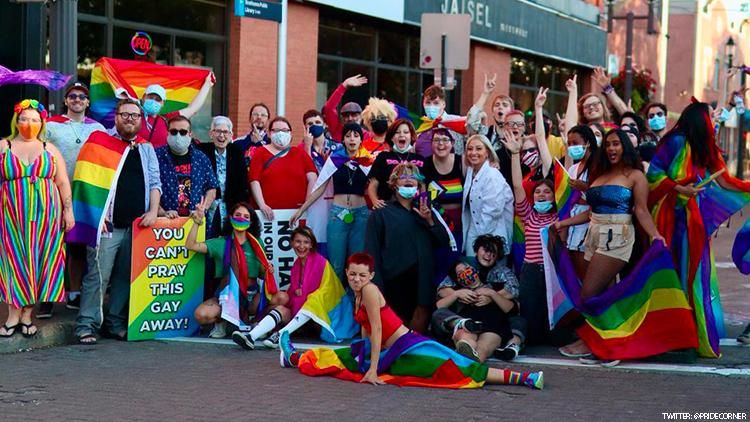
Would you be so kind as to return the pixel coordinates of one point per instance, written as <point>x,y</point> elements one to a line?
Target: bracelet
<point>608,89</point>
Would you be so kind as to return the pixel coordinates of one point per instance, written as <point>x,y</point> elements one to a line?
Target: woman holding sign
<point>239,259</point>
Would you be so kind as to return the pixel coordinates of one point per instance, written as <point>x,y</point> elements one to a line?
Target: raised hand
<point>355,81</point>
<point>510,141</point>
<point>490,83</point>
<point>200,210</point>
<point>601,78</point>
<point>571,84</point>
<point>541,97</point>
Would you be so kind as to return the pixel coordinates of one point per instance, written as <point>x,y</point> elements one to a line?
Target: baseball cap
<point>79,86</point>
<point>351,107</point>
<point>156,89</point>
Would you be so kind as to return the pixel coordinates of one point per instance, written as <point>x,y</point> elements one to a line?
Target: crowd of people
<point>429,229</point>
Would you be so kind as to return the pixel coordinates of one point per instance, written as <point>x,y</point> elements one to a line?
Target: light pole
<point>630,18</point>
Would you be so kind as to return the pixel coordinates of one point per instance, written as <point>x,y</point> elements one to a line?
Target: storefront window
<point>92,44</point>
<point>349,40</point>
<point>93,7</point>
<point>204,16</point>
<point>527,76</point>
<point>121,49</point>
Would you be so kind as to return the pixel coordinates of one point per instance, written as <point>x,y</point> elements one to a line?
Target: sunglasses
<point>658,113</point>
<point>182,132</point>
<point>77,97</point>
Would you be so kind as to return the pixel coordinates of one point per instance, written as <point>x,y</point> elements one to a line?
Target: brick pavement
<point>189,382</point>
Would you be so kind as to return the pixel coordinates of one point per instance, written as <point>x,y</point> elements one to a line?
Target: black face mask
<point>379,126</point>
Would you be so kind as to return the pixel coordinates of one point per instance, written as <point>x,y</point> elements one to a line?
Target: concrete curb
<point>57,331</point>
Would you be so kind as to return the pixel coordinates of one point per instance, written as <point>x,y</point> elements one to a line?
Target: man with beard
<point>125,165</point>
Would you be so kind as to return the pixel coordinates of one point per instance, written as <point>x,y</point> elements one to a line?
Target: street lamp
<point>729,48</point>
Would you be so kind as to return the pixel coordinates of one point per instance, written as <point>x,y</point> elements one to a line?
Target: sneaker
<point>474,327</point>
<point>272,342</point>
<point>609,363</point>
<point>744,338</point>
<point>45,310</point>
<point>509,352</point>
<point>219,330</point>
<point>603,363</point>
<point>464,348</point>
<point>74,304</point>
<point>288,356</point>
<point>243,340</point>
<point>535,380</point>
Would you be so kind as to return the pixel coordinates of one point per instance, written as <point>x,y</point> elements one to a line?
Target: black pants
<point>533,299</point>
<point>401,293</point>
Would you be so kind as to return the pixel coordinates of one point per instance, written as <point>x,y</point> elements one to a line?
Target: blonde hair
<point>605,110</point>
<point>491,154</point>
<point>404,169</point>
<point>377,107</point>
<point>42,136</point>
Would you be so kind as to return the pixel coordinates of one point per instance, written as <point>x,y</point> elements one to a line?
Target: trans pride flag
<point>645,314</point>
<point>114,79</point>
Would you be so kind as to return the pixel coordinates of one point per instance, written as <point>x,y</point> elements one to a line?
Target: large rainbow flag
<point>645,314</point>
<point>412,361</point>
<point>329,305</point>
<point>114,79</point>
<point>98,166</point>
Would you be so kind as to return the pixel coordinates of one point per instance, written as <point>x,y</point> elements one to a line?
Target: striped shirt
<point>533,222</point>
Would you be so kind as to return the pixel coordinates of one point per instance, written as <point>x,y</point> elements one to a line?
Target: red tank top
<point>390,321</point>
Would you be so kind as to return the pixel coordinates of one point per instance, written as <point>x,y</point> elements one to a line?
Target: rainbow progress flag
<point>114,79</point>
<point>645,314</point>
<point>412,361</point>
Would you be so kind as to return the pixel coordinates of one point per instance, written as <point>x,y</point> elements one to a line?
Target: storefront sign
<point>392,10</point>
<point>259,9</point>
<point>166,280</point>
<point>520,25</point>
<point>276,238</point>
<point>141,43</point>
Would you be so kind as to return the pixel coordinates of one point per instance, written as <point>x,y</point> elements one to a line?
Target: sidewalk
<point>56,331</point>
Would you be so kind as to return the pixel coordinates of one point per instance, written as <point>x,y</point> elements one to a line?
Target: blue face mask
<point>407,192</point>
<point>542,207</point>
<point>432,111</point>
<point>316,130</point>
<point>151,107</point>
<point>576,152</point>
<point>657,123</point>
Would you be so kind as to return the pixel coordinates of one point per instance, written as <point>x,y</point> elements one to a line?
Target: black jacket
<point>236,186</point>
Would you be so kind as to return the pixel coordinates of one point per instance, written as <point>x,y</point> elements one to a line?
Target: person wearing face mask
<point>536,159</point>
<point>316,142</point>
<point>399,139</point>
<point>377,118</point>
<point>401,237</point>
<point>281,177</point>
<point>37,212</point>
<point>656,118</point>
<point>186,174</point>
<point>154,127</point>
<point>540,214</point>
<point>239,255</point>
<point>433,102</point>
<point>126,165</point>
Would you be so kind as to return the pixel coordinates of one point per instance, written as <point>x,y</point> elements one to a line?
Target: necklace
<point>75,132</point>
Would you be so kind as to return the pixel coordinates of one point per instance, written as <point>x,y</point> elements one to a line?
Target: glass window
<point>92,44</point>
<point>414,95</point>
<point>203,16</point>
<point>352,41</point>
<point>545,76</point>
<point>328,80</point>
<point>190,52</point>
<point>121,49</point>
<point>359,94</point>
<point>413,52</point>
<point>391,48</point>
<point>523,72</point>
<point>392,85</point>
<point>93,7</point>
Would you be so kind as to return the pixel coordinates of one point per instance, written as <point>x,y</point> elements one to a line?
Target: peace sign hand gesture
<point>200,211</point>
<point>541,97</point>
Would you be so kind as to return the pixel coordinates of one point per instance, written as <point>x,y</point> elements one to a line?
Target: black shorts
<point>493,319</point>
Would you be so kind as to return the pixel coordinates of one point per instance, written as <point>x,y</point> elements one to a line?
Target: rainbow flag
<point>741,249</point>
<point>645,314</point>
<point>518,246</point>
<point>457,125</point>
<point>329,305</point>
<point>560,309</point>
<point>113,79</point>
<point>97,168</point>
<point>565,196</point>
<point>412,361</point>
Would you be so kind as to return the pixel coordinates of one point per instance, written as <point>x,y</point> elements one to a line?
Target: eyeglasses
<point>259,115</point>
<point>658,113</point>
<point>129,116</point>
<point>222,132</point>
<point>280,130</point>
<point>592,106</point>
<point>514,124</point>
<point>81,97</point>
<point>441,140</point>
<point>182,132</point>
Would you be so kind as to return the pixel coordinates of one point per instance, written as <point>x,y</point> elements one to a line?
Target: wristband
<point>608,89</point>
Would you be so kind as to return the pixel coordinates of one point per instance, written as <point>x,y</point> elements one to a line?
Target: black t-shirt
<point>183,169</point>
<point>131,192</point>
<point>349,179</point>
<point>383,166</point>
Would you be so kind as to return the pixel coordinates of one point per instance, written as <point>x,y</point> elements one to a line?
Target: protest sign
<point>166,280</point>
<point>276,238</point>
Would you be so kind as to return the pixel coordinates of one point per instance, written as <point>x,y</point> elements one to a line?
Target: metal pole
<point>63,43</point>
<point>741,133</point>
<point>281,67</point>
<point>443,69</point>
<point>629,56</point>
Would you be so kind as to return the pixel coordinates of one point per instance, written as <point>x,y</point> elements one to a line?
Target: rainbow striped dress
<point>31,267</point>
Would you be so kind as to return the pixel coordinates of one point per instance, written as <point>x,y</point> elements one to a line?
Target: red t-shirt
<point>284,181</point>
<point>154,129</point>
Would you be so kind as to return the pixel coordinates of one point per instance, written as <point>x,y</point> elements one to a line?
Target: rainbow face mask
<point>240,224</point>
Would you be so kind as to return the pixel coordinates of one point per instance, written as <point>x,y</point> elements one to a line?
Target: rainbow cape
<point>329,305</point>
<point>518,245</point>
<point>565,196</point>
<point>98,167</point>
<point>688,223</point>
<point>113,79</point>
<point>457,125</point>
<point>645,314</point>
<point>412,361</point>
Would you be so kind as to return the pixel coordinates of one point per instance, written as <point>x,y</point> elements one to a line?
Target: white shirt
<point>487,207</point>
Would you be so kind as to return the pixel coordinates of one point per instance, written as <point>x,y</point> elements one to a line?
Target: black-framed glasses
<point>441,140</point>
<point>514,124</point>
<point>658,113</point>
<point>223,132</point>
<point>280,130</point>
<point>77,97</point>
<point>129,116</point>
<point>182,132</point>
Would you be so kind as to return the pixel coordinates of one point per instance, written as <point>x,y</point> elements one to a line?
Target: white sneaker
<point>219,330</point>
<point>272,342</point>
